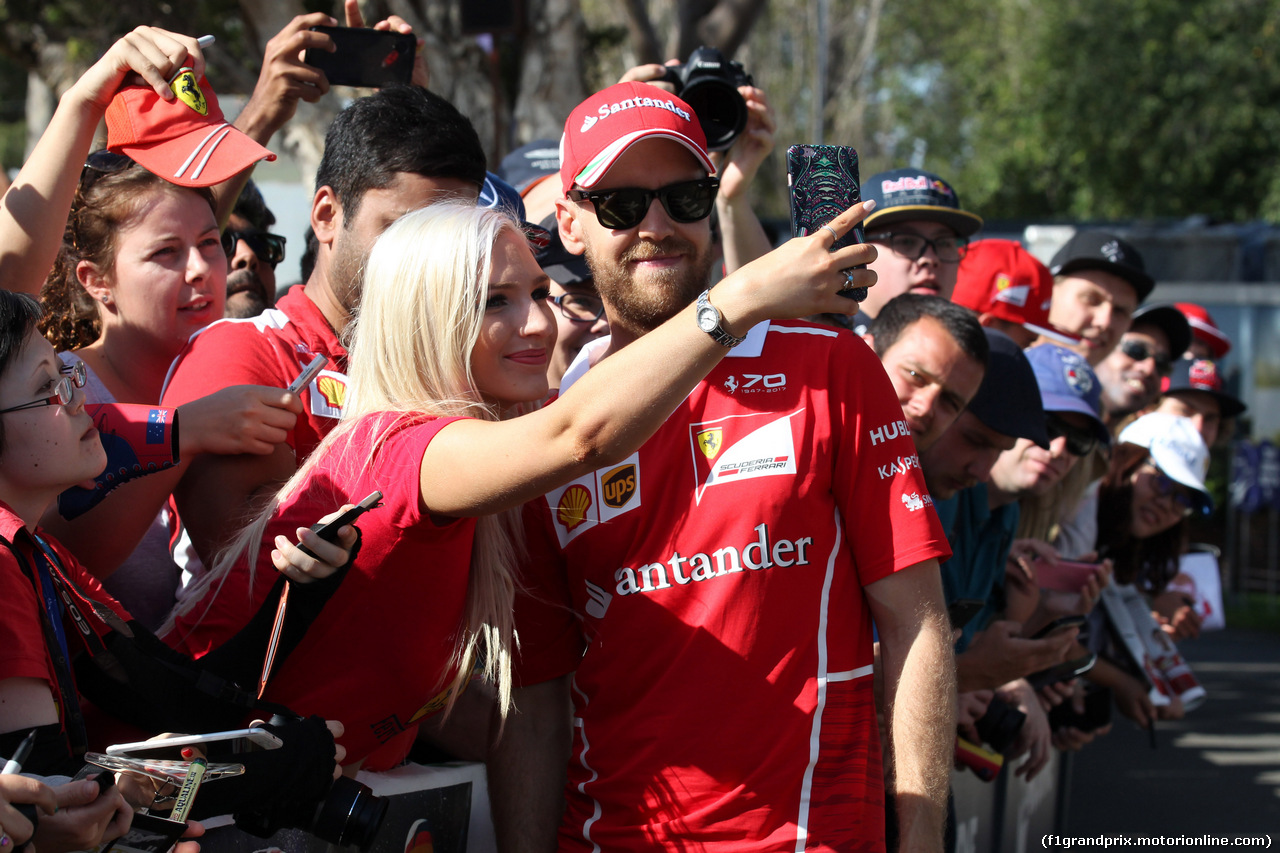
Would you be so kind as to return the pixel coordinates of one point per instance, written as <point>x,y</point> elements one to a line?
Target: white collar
<point>751,347</point>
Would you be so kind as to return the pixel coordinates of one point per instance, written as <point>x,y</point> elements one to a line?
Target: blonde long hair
<point>420,315</point>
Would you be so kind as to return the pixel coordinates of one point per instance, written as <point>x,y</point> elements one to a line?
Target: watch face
<point>708,319</point>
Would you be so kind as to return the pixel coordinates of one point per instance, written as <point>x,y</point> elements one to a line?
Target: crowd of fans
<point>668,557</point>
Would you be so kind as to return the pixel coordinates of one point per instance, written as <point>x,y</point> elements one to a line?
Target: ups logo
<point>619,485</point>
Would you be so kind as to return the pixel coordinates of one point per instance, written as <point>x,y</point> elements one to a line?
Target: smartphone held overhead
<point>364,57</point>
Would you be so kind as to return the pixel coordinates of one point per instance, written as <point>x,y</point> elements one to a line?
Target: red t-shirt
<point>270,349</point>
<point>377,657</point>
<point>23,650</point>
<point>724,700</point>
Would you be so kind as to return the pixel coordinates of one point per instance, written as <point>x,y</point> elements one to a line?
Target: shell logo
<point>334,390</point>
<point>573,507</point>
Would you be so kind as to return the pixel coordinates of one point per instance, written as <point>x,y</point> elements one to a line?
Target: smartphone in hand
<point>823,180</point>
<point>364,57</point>
<point>328,530</point>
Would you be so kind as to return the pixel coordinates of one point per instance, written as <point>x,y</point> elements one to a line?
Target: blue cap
<point>498,193</point>
<point>530,163</point>
<point>1008,400</point>
<point>906,195</point>
<point>1068,384</point>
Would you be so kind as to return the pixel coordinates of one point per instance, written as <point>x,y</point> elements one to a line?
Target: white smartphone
<point>311,371</point>
<point>240,740</point>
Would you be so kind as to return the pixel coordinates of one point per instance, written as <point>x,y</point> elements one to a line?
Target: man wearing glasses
<point>578,310</point>
<point>920,233</point>
<point>1131,374</point>
<point>252,255</point>
<point>714,592</point>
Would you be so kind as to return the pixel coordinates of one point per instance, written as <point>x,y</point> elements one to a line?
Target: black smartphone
<point>1097,712</point>
<point>962,610</point>
<point>1060,624</point>
<point>824,184</point>
<point>1063,671</point>
<point>364,57</point>
<point>328,530</point>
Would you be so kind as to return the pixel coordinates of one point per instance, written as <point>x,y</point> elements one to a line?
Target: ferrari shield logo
<point>709,440</point>
<point>188,91</point>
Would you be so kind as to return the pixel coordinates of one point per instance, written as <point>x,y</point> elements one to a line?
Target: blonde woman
<point>452,341</point>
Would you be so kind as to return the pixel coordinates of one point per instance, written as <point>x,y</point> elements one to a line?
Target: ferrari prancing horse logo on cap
<point>188,91</point>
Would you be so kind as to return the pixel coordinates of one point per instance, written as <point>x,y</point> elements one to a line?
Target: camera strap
<point>55,639</point>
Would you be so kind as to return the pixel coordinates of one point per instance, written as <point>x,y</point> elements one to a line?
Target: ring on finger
<point>4,840</point>
<point>848,280</point>
<point>834,236</point>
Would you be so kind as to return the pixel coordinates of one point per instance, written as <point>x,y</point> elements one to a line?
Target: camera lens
<point>350,815</point>
<point>720,110</point>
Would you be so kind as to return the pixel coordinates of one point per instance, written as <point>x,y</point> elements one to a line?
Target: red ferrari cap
<point>1001,278</point>
<point>186,141</point>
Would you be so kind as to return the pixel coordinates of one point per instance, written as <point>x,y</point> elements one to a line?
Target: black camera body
<point>293,787</point>
<point>709,83</point>
<point>349,815</point>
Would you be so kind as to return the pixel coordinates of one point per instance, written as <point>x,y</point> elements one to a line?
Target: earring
<point>106,299</point>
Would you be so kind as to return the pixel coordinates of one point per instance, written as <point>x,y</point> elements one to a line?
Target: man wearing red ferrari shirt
<point>716,590</point>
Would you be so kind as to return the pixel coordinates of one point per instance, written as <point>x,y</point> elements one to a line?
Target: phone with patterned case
<point>823,180</point>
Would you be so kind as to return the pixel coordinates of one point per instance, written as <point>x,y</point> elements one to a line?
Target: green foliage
<point>1092,109</point>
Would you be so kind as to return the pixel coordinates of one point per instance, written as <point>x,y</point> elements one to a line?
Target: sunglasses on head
<point>100,163</point>
<point>624,208</point>
<point>1080,442</point>
<point>1138,351</point>
<point>268,247</point>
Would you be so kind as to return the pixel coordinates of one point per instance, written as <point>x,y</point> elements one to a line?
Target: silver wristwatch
<point>711,322</point>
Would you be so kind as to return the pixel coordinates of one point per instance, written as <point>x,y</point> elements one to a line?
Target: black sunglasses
<point>620,209</point>
<point>100,163</point>
<point>1138,351</point>
<point>268,247</point>
<point>1080,442</point>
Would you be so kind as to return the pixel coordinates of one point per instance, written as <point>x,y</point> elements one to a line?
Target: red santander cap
<point>1001,278</point>
<point>609,122</point>
<point>186,141</point>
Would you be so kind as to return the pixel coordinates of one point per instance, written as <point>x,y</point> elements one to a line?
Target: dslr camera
<point>709,83</point>
<point>293,787</point>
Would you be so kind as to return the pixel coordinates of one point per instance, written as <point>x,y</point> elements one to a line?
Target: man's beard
<point>242,301</point>
<point>642,308</point>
